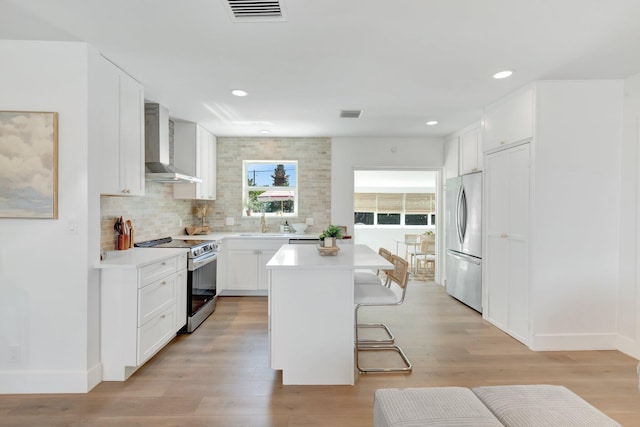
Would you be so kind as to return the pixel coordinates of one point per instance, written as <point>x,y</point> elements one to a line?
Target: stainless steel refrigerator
<point>464,239</point>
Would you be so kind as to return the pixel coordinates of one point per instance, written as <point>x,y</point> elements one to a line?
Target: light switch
<point>229,221</point>
<point>72,225</point>
<point>309,221</point>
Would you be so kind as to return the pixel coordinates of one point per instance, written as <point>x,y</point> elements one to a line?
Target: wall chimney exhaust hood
<point>156,140</point>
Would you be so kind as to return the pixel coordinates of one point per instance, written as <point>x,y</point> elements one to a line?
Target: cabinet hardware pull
<point>163,283</point>
<point>163,316</point>
<point>503,142</point>
<point>163,263</point>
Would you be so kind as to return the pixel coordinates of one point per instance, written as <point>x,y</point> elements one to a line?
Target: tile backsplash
<point>155,215</point>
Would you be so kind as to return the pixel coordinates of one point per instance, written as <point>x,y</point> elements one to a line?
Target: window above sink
<point>270,187</point>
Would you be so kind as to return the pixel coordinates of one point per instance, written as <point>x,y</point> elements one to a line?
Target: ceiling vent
<point>350,114</point>
<point>256,10</point>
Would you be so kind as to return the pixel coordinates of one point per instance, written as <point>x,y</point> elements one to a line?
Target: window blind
<point>420,203</point>
<point>364,202</point>
<point>389,202</point>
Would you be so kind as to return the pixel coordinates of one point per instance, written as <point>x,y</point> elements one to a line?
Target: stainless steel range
<point>202,262</point>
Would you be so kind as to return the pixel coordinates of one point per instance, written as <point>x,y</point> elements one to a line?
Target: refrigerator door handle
<point>461,217</point>
<point>473,260</point>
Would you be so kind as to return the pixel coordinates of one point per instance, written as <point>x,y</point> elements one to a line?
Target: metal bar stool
<point>373,296</point>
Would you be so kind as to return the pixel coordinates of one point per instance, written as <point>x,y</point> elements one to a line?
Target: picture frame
<point>29,164</point>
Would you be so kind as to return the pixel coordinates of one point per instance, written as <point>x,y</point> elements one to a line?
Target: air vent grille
<point>350,114</point>
<point>252,10</point>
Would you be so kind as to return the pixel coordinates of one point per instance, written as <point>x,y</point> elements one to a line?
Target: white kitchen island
<point>311,312</point>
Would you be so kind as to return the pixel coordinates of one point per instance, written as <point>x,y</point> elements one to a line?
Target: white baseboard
<point>571,342</point>
<point>628,346</point>
<point>24,382</point>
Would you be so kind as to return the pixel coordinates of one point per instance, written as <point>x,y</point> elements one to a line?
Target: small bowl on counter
<point>299,227</point>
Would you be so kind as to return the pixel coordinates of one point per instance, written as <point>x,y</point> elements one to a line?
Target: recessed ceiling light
<point>265,131</point>
<point>432,122</point>
<point>239,92</point>
<point>503,74</point>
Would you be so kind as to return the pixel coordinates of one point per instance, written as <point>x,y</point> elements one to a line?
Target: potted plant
<point>329,236</point>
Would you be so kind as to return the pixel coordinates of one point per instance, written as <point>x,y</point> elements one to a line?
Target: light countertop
<point>245,235</point>
<point>308,256</point>
<point>138,257</point>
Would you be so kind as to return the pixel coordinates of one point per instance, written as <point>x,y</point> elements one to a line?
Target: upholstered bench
<point>515,406</point>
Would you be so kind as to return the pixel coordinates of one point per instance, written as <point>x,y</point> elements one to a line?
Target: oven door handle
<point>200,262</point>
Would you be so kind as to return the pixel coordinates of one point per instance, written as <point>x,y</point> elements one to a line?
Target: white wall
<point>629,287</point>
<point>46,279</point>
<point>349,154</point>
<point>575,214</point>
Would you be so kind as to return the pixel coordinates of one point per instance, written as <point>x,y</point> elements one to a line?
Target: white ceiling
<point>403,62</point>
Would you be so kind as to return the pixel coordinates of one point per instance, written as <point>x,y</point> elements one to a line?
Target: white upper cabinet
<point>121,130</point>
<point>195,153</point>
<point>470,151</point>
<point>508,121</point>
<point>451,158</point>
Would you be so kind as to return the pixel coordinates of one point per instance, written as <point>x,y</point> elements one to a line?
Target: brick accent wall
<point>158,214</point>
<point>314,180</point>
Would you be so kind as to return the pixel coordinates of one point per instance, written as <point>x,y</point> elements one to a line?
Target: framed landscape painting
<point>28,165</point>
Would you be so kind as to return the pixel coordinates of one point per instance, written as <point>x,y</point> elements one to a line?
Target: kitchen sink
<point>265,234</point>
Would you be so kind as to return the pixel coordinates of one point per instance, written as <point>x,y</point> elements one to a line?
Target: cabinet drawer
<point>154,298</point>
<point>153,335</point>
<point>152,272</point>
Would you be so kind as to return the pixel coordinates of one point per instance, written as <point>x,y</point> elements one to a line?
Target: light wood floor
<point>219,375</point>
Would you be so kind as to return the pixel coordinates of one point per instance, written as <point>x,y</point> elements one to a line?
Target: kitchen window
<point>270,187</point>
<point>395,209</point>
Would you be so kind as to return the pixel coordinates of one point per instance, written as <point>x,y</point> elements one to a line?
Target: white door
<point>506,261</point>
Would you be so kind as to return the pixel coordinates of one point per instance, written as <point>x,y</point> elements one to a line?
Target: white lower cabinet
<point>244,265</point>
<point>141,309</point>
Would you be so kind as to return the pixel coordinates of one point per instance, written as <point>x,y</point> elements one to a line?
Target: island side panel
<point>311,321</point>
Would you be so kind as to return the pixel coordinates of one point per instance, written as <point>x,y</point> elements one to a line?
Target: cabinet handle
<point>503,142</point>
<point>163,283</point>
<point>163,316</point>
<point>504,235</point>
<point>126,191</point>
<point>163,263</point>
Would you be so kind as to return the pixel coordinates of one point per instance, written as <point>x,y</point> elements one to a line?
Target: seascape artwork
<point>28,164</point>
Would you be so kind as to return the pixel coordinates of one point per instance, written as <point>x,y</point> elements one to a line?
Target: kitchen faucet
<point>263,224</point>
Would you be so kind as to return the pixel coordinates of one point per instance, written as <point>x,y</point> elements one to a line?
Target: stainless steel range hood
<point>156,139</point>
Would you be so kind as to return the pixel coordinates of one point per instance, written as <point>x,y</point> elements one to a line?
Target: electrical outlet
<point>180,222</point>
<point>309,221</point>
<point>14,353</point>
<point>229,221</point>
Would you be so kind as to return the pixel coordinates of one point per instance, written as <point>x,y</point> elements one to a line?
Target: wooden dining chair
<point>426,260</point>
<point>376,296</point>
<point>413,249</point>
